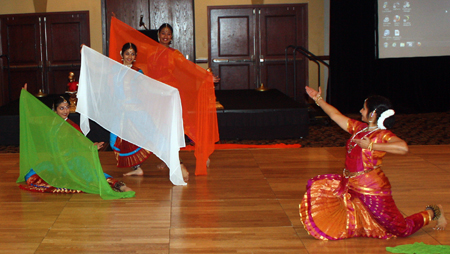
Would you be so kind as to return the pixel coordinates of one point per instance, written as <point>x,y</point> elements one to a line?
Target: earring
<point>371,115</point>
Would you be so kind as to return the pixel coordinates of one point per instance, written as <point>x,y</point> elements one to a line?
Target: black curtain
<point>414,85</point>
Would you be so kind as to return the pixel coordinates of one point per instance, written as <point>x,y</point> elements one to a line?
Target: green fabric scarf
<point>420,248</point>
<point>61,155</point>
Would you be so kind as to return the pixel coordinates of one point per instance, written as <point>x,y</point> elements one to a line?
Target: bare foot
<point>136,172</point>
<point>125,188</point>
<point>161,166</point>
<point>442,222</point>
<point>185,173</point>
<point>208,162</point>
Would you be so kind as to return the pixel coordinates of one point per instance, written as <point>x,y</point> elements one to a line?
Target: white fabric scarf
<point>138,109</point>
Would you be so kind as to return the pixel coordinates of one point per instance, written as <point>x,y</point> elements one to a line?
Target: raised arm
<point>331,111</point>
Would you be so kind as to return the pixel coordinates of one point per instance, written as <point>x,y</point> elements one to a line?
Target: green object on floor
<point>420,248</point>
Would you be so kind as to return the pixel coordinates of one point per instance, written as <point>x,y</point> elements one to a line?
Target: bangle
<point>436,211</point>
<point>318,98</point>
<point>370,147</point>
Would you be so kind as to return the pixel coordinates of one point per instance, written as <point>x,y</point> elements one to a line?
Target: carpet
<point>415,129</point>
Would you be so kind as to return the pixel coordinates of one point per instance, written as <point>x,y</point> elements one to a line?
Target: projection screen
<point>415,28</point>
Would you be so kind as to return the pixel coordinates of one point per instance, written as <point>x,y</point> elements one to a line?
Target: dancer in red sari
<point>358,202</point>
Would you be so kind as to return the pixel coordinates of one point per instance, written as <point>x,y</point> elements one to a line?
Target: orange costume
<point>358,202</point>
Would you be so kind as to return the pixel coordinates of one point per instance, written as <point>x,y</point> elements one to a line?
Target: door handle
<point>65,65</point>
<point>232,60</point>
<point>215,60</point>
<point>282,60</point>
<point>25,66</point>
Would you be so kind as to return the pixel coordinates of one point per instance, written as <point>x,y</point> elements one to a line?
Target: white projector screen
<point>415,28</point>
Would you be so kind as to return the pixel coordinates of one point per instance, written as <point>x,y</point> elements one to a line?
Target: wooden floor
<point>248,203</point>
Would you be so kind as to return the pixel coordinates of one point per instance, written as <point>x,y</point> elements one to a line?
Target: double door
<point>41,50</point>
<point>248,47</point>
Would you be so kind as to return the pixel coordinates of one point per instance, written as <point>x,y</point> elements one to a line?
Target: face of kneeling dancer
<point>63,110</point>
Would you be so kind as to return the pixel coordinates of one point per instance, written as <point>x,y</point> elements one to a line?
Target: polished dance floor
<point>248,203</point>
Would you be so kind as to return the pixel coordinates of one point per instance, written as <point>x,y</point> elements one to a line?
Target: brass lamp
<point>40,94</point>
<point>262,88</point>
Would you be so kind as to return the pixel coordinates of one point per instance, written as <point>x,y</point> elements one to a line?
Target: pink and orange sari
<point>357,203</point>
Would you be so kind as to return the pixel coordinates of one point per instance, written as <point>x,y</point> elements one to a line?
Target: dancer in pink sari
<point>358,202</point>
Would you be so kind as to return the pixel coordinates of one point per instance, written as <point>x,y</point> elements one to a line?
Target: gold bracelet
<point>370,147</point>
<point>436,211</point>
<point>318,98</point>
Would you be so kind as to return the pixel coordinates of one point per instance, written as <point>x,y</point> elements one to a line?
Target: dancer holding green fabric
<point>56,157</point>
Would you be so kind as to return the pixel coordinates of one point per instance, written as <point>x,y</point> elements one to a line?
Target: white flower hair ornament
<point>383,116</point>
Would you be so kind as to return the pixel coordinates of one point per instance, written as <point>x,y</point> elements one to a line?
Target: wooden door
<point>180,15</point>
<point>232,47</point>
<point>21,43</point>
<point>129,12</point>
<point>64,35</point>
<point>248,43</point>
<point>43,49</point>
<point>281,26</point>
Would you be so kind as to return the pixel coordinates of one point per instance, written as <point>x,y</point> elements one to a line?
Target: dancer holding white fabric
<point>135,107</point>
<point>128,154</point>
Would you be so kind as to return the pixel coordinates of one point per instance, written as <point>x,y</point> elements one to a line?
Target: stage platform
<point>251,114</point>
<point>247,114</point>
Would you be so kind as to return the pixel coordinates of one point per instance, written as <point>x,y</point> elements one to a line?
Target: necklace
<point>351,146</point>
<point>128,65</point>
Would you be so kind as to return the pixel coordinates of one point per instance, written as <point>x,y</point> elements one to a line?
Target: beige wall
<point>12,7</point>
<point>95,16</point>
<point>315,20</point>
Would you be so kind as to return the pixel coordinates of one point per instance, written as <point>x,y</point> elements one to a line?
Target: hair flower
<point>386,114</point>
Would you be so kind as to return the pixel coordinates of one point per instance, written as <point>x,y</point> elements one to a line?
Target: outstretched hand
<point>81,47</point>
<point>313,93</point>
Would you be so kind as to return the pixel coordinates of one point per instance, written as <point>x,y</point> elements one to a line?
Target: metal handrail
<point>308,55</point>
